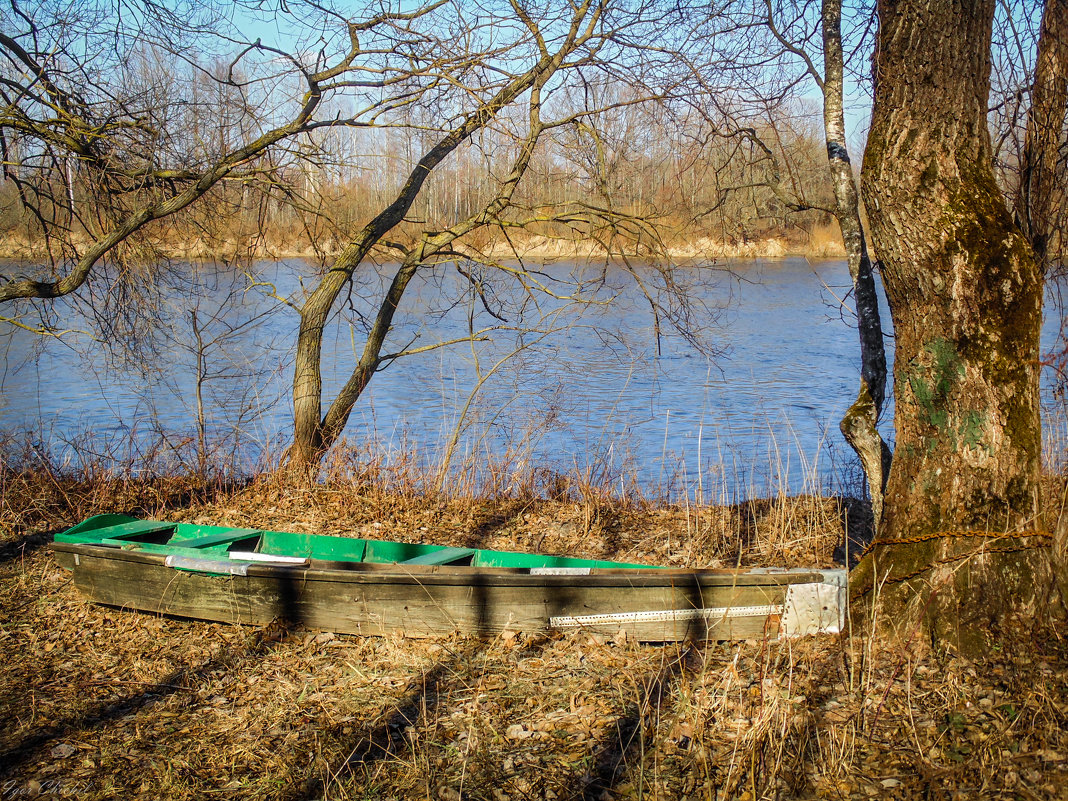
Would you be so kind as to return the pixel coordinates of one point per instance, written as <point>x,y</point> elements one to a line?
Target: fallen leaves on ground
<point>103,703</point>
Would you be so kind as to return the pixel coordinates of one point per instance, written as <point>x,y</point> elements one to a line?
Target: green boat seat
<point>219,538</point>
<point>442,556</point>
<point>140,530</point>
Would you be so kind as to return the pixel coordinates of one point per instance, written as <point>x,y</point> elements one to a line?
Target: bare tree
<point>860,423</point>
<point>550,70</point>
<point>111,136</point>
<point>112,148</point>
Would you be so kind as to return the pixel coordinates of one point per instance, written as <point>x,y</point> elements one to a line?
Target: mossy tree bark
<point>965,294</point>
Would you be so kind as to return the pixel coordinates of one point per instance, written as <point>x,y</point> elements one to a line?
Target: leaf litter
<point>102,703</point>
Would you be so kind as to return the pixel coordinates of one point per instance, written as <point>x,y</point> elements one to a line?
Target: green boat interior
<point>254,545</point>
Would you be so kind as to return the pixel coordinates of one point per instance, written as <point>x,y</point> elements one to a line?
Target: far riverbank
<point>819,244</point>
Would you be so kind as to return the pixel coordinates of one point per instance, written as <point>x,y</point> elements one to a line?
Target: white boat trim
<point>658,616</point>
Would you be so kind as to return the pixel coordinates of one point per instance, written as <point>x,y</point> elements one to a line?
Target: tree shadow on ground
<point>858,530</point>
<point>388,738</point>
<point>622,745</point>
<point>185,679</point>
<point>489,518</point>
<point>27,545</point>
<point>385,740</point>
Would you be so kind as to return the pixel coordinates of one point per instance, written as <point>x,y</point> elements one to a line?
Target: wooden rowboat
<point>360,586</point>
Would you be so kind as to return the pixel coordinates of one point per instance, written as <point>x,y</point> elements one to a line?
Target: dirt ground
<point>102,703</point>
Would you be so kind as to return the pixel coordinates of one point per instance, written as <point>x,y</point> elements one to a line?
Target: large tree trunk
<point>965,293</point>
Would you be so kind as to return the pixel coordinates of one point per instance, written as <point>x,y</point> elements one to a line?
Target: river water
<point>750,407</point>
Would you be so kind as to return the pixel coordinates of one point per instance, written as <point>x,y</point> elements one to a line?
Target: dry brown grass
<point>825,241</point>
<point>101,703</point>
<point>821,242</point>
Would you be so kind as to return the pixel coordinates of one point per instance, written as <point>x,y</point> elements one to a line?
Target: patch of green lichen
<point>933,381</point>
<point>932,385</point>
<point>972,427</point>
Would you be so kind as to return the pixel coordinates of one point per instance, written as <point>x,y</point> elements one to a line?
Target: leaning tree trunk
<point>315,432</point>
<point>1041,190</point>
<point>860,424</point>
<point>1040,203</point>
<point>957,547</point>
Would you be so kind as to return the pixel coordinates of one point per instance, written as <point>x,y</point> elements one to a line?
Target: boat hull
<point>657,605</point>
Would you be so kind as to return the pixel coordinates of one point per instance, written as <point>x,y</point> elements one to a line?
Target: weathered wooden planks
<point>421,600</point>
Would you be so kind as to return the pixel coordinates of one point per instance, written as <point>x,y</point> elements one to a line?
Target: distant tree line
<point>652,162</point>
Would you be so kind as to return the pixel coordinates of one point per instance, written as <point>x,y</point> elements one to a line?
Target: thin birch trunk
<point>860,423</point>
